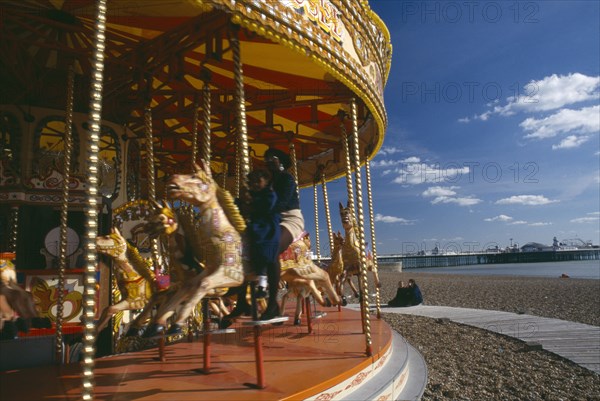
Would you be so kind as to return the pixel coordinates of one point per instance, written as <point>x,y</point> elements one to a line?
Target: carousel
<point>127,132</point>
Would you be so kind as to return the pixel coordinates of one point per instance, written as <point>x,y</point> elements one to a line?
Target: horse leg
<point>109,312</point>
<point>376,278</point>
<point>298,312</point>
<point>352,286</point>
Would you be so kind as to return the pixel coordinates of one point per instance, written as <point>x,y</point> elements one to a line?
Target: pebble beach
<point>466,363</point>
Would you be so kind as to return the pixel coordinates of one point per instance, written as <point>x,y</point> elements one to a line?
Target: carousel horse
<point>135,279</point>
<point>336,267</point>
<point>214,239</point>
<point>298,269</point>
<point>17,306</point>
<point>351,252</point>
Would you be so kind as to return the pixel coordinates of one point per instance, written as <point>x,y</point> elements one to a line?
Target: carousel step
<point>400,374</point>
<point>403,377</point>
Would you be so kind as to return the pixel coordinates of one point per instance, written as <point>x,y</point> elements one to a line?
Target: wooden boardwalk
<point>576,342</point>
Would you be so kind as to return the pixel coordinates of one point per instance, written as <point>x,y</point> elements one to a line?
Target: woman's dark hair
<point>284,158</point>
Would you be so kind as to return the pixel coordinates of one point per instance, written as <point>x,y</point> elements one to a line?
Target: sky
<point>493,133</point>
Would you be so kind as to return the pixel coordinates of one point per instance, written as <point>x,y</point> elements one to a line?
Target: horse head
<point>113,244</point>
<point>338,242</point>
<point>197,188</point>
<point>346,217</point>
<point>8,274</point>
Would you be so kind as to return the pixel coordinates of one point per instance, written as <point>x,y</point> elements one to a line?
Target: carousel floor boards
<point>326,364</point>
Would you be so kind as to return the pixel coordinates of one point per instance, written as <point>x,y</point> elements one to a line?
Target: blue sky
<point>493,134</point>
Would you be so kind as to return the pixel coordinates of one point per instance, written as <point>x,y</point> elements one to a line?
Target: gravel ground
<point>466,363</point>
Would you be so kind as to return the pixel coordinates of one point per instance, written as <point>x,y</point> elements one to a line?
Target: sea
<point>586,269</point>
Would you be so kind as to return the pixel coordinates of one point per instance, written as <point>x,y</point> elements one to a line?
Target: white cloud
<point>540,224</point>
<point>501,217</point>
<point>518,222</point>
<point>388,150</point>
<point>583,121</point>
<point>467,201</point>
<point>446,195</point>
<point>440,191</point>
<point>413,172</point>
<point>572,141</point>
<point>385,163</point>
<point>392,219</point>
<point>593,217</point>
<point>529,200</point>
<point>550,93</point>
<point>554,92</point>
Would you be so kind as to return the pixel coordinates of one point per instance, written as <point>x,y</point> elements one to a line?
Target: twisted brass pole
<point>151,176</point>
<point>14,229</point>
<point>349,186</point>
<point>361,232</point>
<point>225,170</point>
<point>294,162</point>
<point>237,166</point>
<point>195,135</point>
<point>91,208</point>
<point>242,131</point>
<point>327,214</point>
<point>206,111</point>
<point>372,221</point>
<point>64,209</point>
<point>316,203</point>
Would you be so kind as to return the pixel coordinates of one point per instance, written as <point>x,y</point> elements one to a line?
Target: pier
<point>421,261</point>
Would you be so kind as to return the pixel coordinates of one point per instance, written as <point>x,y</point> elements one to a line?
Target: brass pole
<point>294,162</point>
<point>64,209</point>
<point>242,132</point>
<point>361,232</point>
<point>91,208</point>
<point>327,213</point>
<point>206,111</point>
<point>316,203</point>
<point>14,228</point>
<point>372,223</point>
<point>195,135</point>
<point>151,176</point>
<point>349,187</point>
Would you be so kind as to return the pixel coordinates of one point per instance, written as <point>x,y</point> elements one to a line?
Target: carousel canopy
<point>303,62</point>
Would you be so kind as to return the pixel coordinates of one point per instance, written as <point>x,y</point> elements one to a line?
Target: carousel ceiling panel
<point>298,72</point>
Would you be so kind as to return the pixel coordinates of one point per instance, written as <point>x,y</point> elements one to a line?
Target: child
<point>263,230</point>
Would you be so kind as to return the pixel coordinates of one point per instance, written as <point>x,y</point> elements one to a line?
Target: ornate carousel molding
<point>330,35</point>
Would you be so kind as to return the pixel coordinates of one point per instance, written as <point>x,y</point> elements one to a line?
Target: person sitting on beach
<point>403,295</point>
<point>416,297</point>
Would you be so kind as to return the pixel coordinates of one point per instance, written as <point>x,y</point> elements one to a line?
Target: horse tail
<point>231,210</point>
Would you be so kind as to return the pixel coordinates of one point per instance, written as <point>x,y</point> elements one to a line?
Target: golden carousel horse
<point>335,268</point>
<point>15,302</point>
<point>298,269</point>
<point>350,253</point>
<point>135,280</point>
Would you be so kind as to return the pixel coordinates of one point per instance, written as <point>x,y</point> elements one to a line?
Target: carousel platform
<point>329,363</point>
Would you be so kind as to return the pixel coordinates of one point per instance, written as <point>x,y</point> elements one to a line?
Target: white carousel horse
<point>214,240</point>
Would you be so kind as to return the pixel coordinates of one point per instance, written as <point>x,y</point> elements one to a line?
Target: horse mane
<point>139,264</point>
<point>231,210</point>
